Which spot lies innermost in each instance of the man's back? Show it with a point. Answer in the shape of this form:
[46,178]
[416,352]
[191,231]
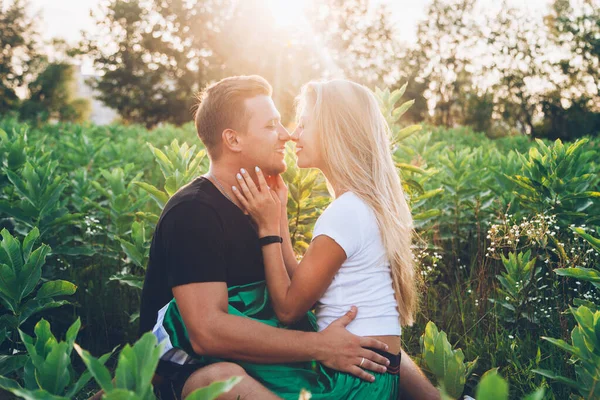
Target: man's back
[205,238]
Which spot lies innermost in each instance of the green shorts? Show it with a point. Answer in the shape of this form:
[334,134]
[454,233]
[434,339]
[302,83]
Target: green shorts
[285,380]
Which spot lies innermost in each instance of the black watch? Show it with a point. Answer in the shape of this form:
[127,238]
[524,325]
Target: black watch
[263,241]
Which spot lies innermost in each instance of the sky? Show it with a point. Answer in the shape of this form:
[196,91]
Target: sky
[66,18]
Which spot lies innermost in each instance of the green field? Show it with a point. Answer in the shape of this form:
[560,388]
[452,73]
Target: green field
[508,250]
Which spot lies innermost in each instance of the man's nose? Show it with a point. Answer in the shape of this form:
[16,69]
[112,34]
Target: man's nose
[284,135]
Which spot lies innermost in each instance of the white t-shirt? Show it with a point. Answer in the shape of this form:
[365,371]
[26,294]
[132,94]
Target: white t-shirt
[364,279]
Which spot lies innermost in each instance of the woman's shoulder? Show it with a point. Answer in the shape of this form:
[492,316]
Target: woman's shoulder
[349,207]
[351,202]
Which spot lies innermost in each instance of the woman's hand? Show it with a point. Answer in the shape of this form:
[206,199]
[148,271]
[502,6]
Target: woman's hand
[260,202]
[278,186]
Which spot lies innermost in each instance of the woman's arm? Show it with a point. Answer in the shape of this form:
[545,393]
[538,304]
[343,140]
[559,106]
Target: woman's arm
[289,256]
[291,297]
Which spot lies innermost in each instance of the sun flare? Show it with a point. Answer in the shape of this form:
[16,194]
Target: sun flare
[287,12]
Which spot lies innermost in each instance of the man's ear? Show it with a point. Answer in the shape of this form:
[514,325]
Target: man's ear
[232,140]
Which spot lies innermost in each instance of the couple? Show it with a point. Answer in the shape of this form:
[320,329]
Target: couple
[224,290]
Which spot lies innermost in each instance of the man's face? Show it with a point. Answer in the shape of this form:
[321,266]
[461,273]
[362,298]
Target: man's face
[265,138]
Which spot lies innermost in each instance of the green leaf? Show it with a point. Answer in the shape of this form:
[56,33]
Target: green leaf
[96,368]
[9,364]
[552,375]
[85,377]
[492,387]
[135,281]
[72,332]
[36,305]
[159,196]
[537,395]
[584,274]
[147,353]
[54,376]
[214,390]
[56,288]
[32,270]
[406,132]
[29,241]
[595,242]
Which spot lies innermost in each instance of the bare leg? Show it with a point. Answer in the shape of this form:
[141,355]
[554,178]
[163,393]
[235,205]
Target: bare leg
[414,385]
[247,389]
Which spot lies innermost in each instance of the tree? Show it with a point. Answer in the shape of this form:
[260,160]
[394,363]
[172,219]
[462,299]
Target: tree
[442,59]
[575,27]
[359,39]
[52,96]
[131,82]
[18,55]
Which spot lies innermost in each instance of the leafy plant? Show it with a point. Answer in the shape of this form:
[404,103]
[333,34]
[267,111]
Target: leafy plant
[581,273]
[493,387]
[517,284]
[561,178]
[48,372]
[179,164]
[585,350]
[135,370]
[445,363]
[22,291]
[37,199]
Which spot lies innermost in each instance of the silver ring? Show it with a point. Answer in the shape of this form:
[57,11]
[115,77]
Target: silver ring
[361,362]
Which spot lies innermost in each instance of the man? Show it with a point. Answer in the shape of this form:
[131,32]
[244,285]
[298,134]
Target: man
[204,247]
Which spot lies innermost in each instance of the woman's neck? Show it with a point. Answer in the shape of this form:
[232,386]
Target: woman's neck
[338,189]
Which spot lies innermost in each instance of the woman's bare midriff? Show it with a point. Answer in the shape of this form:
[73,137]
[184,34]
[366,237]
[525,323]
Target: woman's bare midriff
[392,341]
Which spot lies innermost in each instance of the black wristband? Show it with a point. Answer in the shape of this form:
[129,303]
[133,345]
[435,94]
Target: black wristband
[263,241]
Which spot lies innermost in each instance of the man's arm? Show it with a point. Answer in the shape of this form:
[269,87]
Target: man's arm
[214,332]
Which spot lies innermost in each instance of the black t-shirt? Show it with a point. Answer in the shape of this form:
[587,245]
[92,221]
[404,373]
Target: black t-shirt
[201,236]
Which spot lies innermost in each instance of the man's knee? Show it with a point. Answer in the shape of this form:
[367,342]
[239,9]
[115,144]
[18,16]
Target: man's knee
[211,373]
[224,370]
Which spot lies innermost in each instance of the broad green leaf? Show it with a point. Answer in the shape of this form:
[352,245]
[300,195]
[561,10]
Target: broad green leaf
[55,376]
[56,288]
[492,387]
[29,241]
[595,242]
[36,305]
[552,375]
[32,270]
[214,390]
[135,281]
[96,368]
[159,196]
[9,364]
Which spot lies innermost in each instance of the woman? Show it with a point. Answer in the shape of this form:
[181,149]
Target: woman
[360,252]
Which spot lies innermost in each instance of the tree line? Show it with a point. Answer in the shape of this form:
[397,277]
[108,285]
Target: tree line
[501,71]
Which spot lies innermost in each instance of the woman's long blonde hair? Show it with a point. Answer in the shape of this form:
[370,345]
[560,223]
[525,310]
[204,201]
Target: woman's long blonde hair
[355,145]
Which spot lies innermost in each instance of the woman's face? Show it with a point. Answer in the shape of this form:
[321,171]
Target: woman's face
[307,141]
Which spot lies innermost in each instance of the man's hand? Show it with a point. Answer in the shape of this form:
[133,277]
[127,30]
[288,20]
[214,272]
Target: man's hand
[344,351]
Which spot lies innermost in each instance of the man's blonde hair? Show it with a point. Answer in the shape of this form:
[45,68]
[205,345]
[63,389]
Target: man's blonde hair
[221,106]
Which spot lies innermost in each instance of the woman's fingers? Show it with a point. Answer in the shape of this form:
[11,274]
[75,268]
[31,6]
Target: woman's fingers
[245,190]
[262,182]
[240,197]
[249,182]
